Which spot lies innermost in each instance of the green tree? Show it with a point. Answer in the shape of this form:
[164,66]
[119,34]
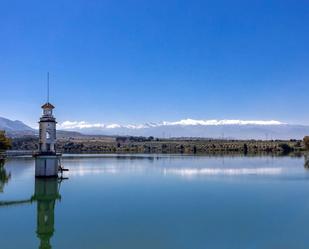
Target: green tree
[5,142]
[306,142]
[286,149]
[194,149]
[245,149]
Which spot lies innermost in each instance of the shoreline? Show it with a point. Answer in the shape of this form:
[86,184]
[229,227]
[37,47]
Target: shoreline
[140,145]
[133,155]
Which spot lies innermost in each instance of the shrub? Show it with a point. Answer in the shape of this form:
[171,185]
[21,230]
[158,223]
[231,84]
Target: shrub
[285,148]
[182,149]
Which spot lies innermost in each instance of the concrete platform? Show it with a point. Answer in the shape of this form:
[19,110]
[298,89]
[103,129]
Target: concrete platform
[47,165]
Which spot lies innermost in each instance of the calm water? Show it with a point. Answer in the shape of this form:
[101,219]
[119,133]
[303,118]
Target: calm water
[167,202]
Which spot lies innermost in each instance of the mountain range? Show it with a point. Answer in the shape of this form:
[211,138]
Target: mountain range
[17,128]
[228,129]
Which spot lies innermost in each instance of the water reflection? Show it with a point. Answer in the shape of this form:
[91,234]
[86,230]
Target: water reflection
[227,171]
[4,176]
[204,197]
[46,194]
[306,165]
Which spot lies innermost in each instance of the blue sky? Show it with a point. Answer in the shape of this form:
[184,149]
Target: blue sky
[142,61]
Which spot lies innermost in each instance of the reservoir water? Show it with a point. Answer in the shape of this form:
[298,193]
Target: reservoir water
[164,201]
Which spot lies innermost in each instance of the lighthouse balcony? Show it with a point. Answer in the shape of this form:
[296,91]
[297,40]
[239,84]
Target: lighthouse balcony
[46,118]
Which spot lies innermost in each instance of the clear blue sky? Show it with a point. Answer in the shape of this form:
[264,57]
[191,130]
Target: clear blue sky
[139,61]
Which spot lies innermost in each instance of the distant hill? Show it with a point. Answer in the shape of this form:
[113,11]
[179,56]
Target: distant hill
[68,134]
[19,129]
[9,125]
[15,128]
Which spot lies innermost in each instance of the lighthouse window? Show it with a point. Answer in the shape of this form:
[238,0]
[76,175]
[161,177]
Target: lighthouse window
[47,135]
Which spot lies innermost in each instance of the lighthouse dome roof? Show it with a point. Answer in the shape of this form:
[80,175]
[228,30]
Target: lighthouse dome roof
[48,106]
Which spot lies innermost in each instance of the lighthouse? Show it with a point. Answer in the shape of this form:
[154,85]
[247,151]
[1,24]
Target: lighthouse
[47,133]
[47,161]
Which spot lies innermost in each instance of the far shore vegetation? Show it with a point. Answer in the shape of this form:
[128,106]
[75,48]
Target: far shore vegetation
[5,142]
[130,144]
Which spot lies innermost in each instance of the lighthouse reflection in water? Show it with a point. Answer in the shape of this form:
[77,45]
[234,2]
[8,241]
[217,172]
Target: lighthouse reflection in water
[151,201]
[46,194]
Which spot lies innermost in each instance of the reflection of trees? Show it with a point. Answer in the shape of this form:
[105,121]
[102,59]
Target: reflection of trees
[4,176]
[306,165]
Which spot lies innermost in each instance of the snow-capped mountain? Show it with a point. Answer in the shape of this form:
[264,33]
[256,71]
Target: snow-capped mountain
[232,129]
[237,129]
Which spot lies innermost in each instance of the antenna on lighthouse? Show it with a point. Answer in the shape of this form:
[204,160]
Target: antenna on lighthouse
[47,87]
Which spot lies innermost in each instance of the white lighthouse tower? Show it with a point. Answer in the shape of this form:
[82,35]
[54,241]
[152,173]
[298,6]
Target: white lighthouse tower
[47,142]
[47,160]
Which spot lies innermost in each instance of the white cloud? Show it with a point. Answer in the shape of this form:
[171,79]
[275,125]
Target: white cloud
[80,125]
[67,125]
